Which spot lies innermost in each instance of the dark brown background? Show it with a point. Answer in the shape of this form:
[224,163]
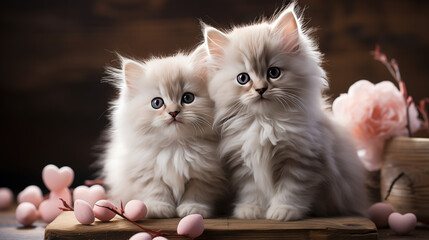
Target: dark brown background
[53,55]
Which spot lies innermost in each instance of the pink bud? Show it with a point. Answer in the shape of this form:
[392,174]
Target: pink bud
[103,214]
[141,236]
[191,226]
[135,210]
[83,212]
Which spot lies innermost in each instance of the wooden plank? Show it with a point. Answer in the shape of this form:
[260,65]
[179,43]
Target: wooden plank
[67,227]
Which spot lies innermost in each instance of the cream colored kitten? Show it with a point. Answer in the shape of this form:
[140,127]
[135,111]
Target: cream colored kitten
[286,156]
[162,147]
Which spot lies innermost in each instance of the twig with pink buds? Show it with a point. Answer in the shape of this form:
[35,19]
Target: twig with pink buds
[393,68]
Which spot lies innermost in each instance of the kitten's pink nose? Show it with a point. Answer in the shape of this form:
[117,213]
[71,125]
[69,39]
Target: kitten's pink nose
[174,114]
[261,90]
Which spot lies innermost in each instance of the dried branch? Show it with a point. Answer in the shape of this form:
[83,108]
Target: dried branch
[66,206]
[151,232]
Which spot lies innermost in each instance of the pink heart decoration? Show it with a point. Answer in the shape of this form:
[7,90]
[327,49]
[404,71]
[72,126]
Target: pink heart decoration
[57,179]
[49,209]
[402,224]
[31,194]
[89,194]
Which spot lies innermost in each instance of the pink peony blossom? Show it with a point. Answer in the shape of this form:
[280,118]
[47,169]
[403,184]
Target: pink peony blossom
[374,113]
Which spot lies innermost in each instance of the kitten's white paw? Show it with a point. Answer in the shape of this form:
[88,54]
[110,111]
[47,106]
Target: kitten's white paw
[284,213]
[160,210]
[185,209]
[248,211]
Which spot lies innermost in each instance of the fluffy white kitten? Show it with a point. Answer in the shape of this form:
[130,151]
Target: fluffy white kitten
[286,157]
[162,147]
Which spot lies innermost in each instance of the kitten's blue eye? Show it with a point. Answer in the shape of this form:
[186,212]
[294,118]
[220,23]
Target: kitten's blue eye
[243,78]
[273,72]
[157,102]
[188,98]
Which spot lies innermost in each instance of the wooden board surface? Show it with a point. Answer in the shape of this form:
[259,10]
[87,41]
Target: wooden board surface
[67,227]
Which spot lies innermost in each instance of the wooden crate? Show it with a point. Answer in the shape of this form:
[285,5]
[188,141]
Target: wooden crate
[66,226]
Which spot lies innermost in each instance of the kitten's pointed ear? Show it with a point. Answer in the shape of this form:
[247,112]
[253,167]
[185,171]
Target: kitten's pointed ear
[215,40]
[198,56]
[131,71]
[287,25]
[198,60]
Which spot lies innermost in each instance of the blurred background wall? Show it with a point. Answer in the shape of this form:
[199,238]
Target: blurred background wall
[53,54]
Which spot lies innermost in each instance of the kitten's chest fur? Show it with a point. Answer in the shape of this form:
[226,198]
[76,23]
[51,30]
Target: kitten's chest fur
[172,165]
[178,162]
[255,145]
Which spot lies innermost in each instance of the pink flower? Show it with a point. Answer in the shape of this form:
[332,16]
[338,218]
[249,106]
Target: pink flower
[373,113]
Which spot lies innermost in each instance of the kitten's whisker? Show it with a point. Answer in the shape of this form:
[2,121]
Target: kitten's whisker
[199,127]
[298,101]
[295,102]
[194,128]
[286,108]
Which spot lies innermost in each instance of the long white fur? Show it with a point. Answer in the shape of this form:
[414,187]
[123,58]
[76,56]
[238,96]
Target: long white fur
[173,168]
[287,159]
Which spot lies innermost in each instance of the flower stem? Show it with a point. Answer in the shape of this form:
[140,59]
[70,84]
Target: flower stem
[410,134]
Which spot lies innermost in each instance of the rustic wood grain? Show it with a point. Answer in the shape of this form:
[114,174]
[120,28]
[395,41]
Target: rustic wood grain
[67,227]
[10,229]
[411,192]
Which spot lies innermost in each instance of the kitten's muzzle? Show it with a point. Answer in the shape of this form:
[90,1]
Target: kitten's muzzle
[174,114]
[261,90]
